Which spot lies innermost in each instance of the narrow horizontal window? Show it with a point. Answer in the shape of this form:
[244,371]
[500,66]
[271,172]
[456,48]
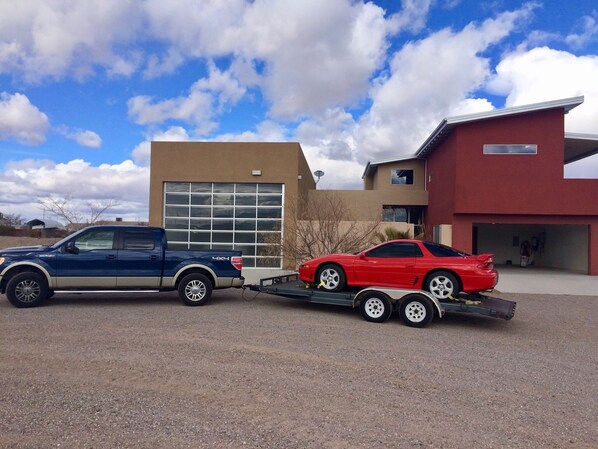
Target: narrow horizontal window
[511,149]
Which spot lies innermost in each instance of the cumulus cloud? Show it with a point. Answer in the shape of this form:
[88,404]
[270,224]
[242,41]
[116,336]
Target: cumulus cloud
[427,82]
[544,74]
[124,182]
[22,121]
[142,152]
[84,138]
[207,97]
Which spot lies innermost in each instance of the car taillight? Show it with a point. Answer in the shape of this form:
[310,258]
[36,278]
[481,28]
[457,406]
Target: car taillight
[237,262]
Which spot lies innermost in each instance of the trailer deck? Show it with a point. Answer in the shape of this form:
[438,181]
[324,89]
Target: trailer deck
[290,286]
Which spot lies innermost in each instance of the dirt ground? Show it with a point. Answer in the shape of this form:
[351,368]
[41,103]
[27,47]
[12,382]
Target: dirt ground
[144,371]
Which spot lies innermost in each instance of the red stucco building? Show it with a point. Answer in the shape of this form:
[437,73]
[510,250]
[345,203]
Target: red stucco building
[497,180]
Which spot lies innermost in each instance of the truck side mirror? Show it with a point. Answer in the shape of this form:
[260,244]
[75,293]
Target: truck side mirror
[71,248]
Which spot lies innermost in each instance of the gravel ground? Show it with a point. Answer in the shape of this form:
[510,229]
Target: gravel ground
[144,371]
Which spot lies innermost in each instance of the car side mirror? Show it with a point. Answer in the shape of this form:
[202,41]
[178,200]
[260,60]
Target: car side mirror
[71,248]
[362,255]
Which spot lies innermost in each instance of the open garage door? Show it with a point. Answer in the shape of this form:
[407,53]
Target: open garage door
[552,246]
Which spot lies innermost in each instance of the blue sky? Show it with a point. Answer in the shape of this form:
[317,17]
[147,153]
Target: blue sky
[85,86]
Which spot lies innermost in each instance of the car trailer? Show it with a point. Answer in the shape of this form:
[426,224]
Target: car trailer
[417,308]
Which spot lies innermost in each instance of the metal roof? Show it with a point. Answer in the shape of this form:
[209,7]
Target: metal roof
[447,125]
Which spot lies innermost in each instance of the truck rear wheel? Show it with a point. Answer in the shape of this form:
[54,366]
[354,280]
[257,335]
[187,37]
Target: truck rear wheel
[195,289]
[27,289]
[416,311]
[375,307]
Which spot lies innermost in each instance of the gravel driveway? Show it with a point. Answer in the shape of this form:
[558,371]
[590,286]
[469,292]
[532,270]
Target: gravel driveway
[144,371]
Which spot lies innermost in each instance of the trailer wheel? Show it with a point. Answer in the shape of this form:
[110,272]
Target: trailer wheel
[416,311]
[195,289]
[26,289]
[331,277]
[375,307]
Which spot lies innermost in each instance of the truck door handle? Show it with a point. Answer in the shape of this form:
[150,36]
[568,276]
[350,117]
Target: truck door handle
[110,257]
[154,257]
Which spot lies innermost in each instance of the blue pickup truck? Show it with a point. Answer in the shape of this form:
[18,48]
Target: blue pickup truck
[115,258]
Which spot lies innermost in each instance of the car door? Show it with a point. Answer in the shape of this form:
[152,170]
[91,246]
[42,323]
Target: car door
[87,261]
[389,265]
[139,257]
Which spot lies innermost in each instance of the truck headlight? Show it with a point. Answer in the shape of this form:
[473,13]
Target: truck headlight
[2,260]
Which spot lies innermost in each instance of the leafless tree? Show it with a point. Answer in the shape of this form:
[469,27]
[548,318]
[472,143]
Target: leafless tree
[324,225]
[65,208]
[10,220]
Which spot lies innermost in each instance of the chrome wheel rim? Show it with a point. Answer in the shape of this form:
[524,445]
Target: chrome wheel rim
[195,290]
[27,291]
[330,278]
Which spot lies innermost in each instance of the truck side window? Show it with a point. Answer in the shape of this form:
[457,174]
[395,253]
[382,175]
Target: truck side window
[135,240]
[95,240]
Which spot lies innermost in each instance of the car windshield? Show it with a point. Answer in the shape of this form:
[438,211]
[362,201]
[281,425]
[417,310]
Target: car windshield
[439,250]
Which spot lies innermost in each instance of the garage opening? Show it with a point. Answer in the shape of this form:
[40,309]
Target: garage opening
[546,245]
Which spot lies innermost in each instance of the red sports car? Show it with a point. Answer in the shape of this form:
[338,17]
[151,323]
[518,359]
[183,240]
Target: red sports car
[411,264]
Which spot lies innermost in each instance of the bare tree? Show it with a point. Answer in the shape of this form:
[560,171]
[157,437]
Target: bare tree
[10,220]
[325,226]
[65,208]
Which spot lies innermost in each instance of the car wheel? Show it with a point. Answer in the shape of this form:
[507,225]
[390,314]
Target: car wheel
[27,289]
[416,311]
[443,285]
[332,278]
[195,289]
[375,307]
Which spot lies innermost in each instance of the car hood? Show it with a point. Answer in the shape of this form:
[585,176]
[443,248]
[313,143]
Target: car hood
[20,250]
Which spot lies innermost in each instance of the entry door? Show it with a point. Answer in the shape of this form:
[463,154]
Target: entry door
[90,264]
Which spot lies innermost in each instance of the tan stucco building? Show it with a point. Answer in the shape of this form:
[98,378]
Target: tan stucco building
[230,194]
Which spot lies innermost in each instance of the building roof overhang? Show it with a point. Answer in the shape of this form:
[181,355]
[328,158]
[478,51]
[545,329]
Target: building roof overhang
[371,167]
[580,146]
[447,125]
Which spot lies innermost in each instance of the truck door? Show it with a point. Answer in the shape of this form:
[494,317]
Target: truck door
[389,265]
[88,261]
[139,257]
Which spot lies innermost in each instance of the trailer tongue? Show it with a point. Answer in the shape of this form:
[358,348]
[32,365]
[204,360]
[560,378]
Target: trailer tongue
[417,308]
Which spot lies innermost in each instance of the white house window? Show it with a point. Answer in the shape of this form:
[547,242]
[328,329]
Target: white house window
[511,149]
[241,216]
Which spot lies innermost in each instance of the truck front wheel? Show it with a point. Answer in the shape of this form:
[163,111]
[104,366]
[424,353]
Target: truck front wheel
[27,289]
[195,289]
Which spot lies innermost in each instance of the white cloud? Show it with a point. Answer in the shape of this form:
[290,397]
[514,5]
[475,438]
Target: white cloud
[22,121]
[544,74]
[82,137]
[588,32]
[124,182]
[142,152]
[207,97]
[427,82]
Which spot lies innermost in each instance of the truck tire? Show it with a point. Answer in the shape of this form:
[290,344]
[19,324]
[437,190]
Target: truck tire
[375,307]
[195,289]
[416,311]
[331,277]
[27,289]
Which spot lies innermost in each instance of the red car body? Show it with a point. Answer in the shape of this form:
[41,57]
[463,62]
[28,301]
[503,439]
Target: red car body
[410,264]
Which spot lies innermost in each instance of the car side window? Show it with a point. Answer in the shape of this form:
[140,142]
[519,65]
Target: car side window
[95,240]
[135,240]
[396,250]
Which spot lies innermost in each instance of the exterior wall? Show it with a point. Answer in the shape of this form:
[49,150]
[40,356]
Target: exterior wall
[227,162]
[381,180]
[465,186]
[366,205]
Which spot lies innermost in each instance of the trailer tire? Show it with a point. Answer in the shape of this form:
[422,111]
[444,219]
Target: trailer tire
[27,289]
[375,307]
[195,289]
[332,277]
[416,311]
